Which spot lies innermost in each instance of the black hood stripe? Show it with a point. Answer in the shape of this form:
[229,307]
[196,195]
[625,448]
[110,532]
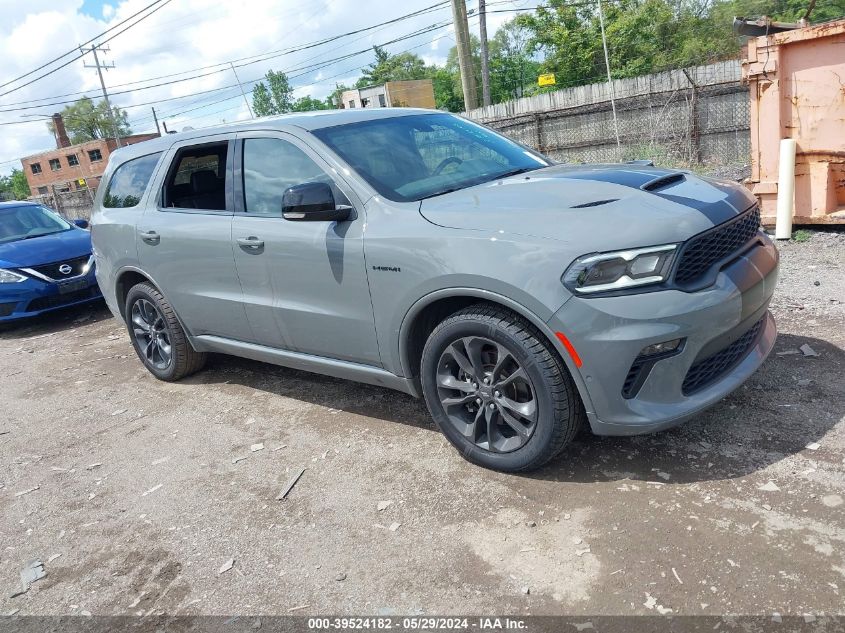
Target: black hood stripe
[734,203]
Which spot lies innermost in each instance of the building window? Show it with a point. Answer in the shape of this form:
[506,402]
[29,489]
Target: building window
[36,168]
[42,191]
[351,104]
[94,155]
[381,101]
[55,164]
[72,160]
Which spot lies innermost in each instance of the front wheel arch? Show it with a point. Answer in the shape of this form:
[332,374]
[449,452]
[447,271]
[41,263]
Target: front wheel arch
[430,310]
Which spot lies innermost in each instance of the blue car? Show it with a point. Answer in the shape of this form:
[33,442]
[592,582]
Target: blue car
[45,261]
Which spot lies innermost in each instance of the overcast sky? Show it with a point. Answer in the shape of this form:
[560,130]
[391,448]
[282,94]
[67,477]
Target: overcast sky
[187,35]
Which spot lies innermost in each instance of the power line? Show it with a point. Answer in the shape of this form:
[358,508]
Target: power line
[73,50]
[105,41]
[167,83]
[221,66]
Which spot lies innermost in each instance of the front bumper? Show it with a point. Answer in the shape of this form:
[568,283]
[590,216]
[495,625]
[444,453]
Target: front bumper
[609,334]
[35,296]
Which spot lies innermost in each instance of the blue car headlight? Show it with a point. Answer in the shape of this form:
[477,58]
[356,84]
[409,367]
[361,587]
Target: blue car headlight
[619,270]
[10,277]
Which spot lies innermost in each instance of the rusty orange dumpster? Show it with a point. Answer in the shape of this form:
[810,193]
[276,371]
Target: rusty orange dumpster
[797,88]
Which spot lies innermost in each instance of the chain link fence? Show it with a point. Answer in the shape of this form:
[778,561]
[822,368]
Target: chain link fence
[696,117]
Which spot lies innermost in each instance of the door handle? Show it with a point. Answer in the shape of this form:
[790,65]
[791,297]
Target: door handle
[252,243]
[150,237]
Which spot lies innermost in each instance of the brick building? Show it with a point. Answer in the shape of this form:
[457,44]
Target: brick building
[415,93]
[71,167]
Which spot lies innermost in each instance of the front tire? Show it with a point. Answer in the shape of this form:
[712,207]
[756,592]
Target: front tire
[497,391]
[157,335]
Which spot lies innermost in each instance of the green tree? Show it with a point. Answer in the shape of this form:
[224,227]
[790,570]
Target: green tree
[389,67]
[334,100]
[86,121]
[14,186]
[276,97]
[646,36]
[513,72]
[307,104]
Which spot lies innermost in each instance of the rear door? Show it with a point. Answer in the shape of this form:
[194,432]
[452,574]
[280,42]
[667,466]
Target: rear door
[185,238]
[304,283]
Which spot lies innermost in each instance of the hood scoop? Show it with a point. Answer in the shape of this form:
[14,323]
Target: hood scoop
[595,203]
[663,182]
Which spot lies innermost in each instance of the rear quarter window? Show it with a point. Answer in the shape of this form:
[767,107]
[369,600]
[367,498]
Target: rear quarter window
[129,181]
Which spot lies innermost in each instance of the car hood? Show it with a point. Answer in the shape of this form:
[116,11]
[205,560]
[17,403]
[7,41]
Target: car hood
[611,206]
[45,249]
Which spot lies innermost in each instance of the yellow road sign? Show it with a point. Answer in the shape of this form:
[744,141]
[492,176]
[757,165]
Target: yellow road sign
[546,80]
[81,182]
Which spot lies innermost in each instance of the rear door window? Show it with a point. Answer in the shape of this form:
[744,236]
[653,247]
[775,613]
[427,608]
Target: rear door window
[129,181]
[197,178]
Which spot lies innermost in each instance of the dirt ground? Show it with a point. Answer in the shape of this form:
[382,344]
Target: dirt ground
[146,497]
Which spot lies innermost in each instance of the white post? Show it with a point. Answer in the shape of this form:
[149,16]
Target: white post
[786,190]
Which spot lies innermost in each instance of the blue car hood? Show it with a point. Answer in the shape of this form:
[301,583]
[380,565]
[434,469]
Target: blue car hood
[45,249]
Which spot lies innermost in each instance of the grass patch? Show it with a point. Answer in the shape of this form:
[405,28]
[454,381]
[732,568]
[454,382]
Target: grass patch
[802,235]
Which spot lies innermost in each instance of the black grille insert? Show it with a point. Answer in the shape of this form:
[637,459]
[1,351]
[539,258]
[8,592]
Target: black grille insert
[709,370]
[75,268]
[704,250]
[7,308]
[54,301]
[636,377]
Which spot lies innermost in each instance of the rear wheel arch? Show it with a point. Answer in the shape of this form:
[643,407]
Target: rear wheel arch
[125,281]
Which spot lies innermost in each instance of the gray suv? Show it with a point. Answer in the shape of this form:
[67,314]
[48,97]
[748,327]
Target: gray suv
[419,251]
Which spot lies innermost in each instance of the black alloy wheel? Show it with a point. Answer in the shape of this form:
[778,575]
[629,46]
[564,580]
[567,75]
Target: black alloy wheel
[487,395]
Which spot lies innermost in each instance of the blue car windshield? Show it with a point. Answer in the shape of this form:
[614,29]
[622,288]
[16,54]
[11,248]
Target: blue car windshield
[408,158]
[28,221]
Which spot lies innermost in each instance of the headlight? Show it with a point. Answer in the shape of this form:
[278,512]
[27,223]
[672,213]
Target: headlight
[619,270]
[10,277]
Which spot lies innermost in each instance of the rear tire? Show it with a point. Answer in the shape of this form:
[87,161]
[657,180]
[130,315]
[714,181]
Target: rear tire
[498,392]
[157,335]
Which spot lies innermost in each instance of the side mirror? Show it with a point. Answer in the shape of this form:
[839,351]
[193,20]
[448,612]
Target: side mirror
[82,224]
[312,202]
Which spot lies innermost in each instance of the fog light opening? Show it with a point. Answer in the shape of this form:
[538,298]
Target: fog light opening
[660,349]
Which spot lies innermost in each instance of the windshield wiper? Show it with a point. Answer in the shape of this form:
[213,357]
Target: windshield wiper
[514,172]
[440,192]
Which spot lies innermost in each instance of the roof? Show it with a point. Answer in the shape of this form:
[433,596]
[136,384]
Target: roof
[303,120]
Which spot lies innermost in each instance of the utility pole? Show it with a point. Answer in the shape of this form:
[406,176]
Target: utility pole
[94,48]
[609,79]
[459,16]
[246,101]
[485,57]
[155,118]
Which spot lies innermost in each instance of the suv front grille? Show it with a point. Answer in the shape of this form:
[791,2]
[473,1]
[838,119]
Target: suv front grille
[77,266]
[704,250]
[710,369]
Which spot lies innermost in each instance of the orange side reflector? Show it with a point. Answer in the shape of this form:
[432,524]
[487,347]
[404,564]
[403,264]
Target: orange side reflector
[569,348]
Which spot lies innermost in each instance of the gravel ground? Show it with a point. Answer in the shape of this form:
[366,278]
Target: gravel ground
[146,497]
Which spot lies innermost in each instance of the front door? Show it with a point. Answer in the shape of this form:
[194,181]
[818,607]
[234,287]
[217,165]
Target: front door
[304,283]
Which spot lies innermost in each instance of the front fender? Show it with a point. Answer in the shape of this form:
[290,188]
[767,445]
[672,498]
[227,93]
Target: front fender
[402,355]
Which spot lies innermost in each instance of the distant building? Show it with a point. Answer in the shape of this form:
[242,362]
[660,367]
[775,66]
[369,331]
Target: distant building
[417,93]
[71,167]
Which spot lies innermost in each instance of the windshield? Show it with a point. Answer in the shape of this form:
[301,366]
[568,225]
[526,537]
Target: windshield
[408,158]
[21,223]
